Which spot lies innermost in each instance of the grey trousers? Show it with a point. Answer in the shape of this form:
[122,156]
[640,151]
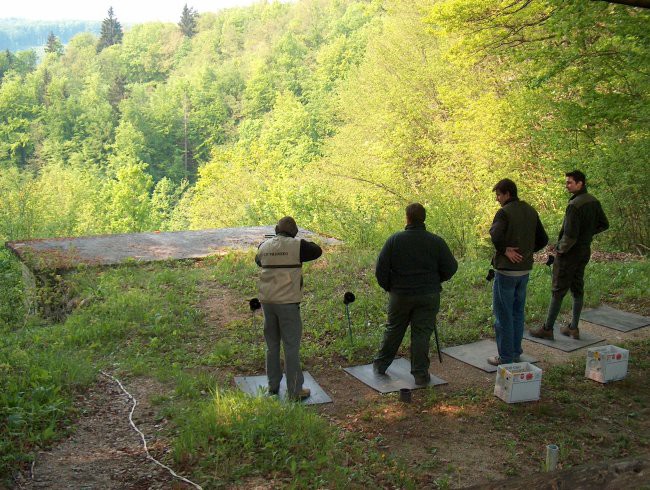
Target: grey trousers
[282,323]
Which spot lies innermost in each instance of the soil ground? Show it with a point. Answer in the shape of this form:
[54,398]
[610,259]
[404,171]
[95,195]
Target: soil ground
[105,452]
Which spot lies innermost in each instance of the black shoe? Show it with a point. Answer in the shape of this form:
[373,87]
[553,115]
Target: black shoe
[378,370]
[422,379]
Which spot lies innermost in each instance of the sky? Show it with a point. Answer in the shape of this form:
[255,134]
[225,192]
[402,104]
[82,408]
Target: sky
[126,11]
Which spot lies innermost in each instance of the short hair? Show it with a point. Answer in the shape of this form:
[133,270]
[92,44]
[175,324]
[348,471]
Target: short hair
[287,225]
[577,176]
[416,213]
[505,185]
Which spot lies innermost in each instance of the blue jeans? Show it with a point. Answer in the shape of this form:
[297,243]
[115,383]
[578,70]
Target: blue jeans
[508,303]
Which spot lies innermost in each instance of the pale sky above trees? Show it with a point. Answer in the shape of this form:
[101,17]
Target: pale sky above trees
[126,11]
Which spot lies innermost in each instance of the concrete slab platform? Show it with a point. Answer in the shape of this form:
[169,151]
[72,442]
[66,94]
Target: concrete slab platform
[564,343]
[397,376]
[476,354]
[257,385]
[68,253]
[609,317]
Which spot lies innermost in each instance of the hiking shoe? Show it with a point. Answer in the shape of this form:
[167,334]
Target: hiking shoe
[574,333]
[422,379]
[494,360]
[301,395]
[542,333]
[378,370]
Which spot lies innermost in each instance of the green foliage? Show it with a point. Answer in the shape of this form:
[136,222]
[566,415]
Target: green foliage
[188,22]
[111,32]
[339,112]
[53,45]
[12,309]
[234,435]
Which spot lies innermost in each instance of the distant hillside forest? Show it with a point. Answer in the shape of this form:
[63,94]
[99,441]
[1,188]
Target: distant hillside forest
[21,34]
[338,112]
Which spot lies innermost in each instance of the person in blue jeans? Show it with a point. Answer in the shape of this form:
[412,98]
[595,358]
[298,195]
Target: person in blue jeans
[516,233]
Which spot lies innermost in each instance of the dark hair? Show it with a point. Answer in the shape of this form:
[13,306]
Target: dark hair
[577,176]
[505,185]
[416,213]
[287,225]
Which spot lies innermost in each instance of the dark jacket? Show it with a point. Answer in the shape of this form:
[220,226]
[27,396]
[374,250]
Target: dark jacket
[414,262]
[584,218]
[517,225]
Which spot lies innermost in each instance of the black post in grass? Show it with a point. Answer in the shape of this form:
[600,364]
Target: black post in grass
[254,304]
[435,333]
[348,298]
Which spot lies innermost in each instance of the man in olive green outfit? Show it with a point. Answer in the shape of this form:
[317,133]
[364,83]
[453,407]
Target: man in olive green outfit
[411,266]
[584,217]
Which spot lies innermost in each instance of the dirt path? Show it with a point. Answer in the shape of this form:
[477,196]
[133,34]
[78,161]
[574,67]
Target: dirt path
[104,452]
[450,440]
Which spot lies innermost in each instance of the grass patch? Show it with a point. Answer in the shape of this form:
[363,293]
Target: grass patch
[234,437]
[145,320]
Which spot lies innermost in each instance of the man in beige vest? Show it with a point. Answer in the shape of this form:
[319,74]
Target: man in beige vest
[280,292]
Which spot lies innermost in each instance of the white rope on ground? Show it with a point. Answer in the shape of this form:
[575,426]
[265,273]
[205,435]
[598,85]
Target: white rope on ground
[144,441]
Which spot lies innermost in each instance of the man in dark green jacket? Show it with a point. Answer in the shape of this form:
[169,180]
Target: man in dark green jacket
[584,217]
[516,233]
[411,266]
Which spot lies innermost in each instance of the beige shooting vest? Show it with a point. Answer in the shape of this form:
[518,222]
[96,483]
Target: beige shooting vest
[281,278]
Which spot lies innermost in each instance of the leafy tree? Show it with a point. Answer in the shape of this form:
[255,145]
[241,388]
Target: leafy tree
[188,22]
[53,45]
[111,32]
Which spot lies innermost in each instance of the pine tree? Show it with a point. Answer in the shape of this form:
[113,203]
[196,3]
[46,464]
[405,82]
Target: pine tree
[188,21]
[111,32]
[53,45]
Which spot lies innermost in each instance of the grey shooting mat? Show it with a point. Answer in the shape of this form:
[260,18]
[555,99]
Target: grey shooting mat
[564,343]
[398,376]
[257,386]
[615,319]
[476,354]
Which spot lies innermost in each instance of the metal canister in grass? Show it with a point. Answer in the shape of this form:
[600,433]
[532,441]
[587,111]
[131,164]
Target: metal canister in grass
[405,395]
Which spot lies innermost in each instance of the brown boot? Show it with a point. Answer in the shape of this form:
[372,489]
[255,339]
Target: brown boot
[542,333]
[574,333]
[301,395]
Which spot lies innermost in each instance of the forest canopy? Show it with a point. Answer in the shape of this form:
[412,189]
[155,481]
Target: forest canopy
[338,112]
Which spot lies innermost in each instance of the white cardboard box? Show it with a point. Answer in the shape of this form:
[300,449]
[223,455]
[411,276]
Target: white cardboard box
[518,382]
[606,363]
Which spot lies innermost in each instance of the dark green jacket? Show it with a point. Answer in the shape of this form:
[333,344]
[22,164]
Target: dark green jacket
[584,218]
[517,225]
[414,262]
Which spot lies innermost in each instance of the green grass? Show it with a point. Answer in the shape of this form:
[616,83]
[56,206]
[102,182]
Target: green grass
[234,436]
[145,320]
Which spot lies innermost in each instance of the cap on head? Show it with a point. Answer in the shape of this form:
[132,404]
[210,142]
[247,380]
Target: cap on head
[287,225]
